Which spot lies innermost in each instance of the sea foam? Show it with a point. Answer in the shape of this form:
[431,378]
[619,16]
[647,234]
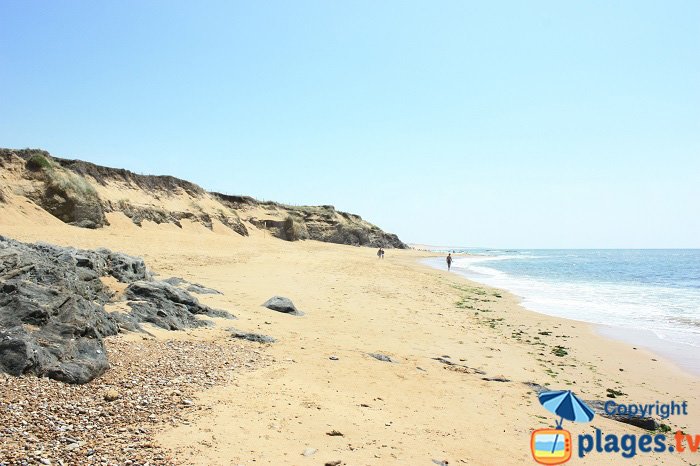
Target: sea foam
[655,290]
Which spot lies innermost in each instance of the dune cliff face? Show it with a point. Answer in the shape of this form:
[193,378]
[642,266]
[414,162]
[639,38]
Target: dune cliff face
[82,194]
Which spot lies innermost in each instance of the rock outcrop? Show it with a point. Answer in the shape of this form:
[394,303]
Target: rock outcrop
[166,306]
[52,308]
[320,223]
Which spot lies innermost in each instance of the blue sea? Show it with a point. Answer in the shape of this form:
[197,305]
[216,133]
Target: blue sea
[653,290]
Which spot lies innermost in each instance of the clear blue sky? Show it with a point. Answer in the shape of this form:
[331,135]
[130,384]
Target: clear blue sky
[498,124]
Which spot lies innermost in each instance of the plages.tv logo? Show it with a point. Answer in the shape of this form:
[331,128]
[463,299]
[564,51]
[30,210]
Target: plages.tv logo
[553,446]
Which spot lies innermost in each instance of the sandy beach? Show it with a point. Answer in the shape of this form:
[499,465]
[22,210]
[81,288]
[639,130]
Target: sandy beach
[225,228]
[462,354]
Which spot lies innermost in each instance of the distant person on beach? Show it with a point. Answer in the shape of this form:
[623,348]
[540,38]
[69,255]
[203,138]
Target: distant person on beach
[382,251]
[449,261]
[379,253]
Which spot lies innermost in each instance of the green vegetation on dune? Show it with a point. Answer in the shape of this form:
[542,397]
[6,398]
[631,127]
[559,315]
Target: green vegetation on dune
[294,229]
[38,162]
[65,194]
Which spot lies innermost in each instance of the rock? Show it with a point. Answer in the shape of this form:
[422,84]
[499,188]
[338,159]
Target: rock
[282,304]
[127,269]
[537,388]
[256,337]
[647,423]
[333,358]
[174,281]
[335,433]
[309,452]
[381,357]
[52,315]
[321,223]
[192,287]
[111,395]
[168,307]
[458,367]
[199,289]
[499,378]
[333,463]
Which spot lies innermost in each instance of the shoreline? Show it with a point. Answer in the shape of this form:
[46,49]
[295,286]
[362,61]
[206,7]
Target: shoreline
[681,355]
[674,353]
[322,378]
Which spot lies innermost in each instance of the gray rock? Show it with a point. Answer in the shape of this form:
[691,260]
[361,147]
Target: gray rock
[282,304]
[175,281]
[381,357]
[256,337]
[166,306]
[647,423]
[127,269]
[464,368]
[199,289]
[192,287]
[52,315]
[535,387]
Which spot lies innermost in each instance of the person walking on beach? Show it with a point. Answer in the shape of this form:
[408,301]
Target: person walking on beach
[381,250]
[379,253]
[449,261]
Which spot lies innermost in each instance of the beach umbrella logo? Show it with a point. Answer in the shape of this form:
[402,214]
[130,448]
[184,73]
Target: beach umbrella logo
[553,446]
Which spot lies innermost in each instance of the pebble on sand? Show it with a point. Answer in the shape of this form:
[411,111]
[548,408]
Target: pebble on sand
[111,395]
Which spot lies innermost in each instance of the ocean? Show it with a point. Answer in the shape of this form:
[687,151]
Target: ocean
[655,291]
